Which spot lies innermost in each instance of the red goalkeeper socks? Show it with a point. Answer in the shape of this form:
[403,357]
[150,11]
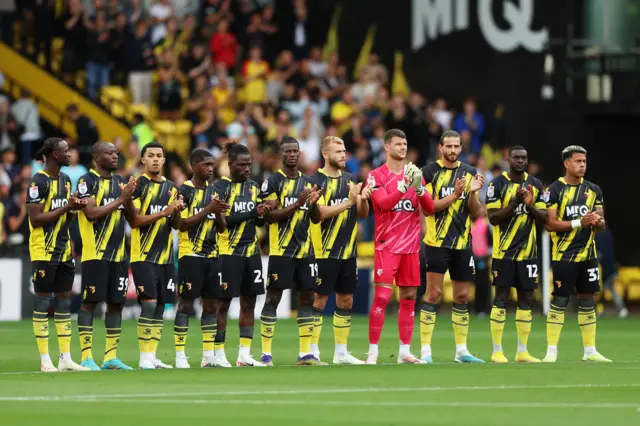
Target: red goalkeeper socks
[376,316]
[406,320]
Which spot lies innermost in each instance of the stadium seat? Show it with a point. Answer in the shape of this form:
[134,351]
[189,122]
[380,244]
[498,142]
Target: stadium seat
[142,109]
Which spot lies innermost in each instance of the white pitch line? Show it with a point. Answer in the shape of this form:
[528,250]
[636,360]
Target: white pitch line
[309,391]
[597,405]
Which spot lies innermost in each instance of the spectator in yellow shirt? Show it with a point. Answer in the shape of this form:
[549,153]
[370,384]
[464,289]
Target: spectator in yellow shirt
[224,96]
[255,72]
[342,110]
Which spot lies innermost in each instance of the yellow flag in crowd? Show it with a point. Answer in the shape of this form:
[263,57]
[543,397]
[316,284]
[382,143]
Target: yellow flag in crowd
[331,45]
[363,57]
[399,83]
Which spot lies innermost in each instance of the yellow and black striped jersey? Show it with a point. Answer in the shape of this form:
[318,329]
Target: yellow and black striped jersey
[50,243]
[290,237]
[153,243]
[572,202]
[200,240]
[449,228]
[335,238]
[515,238]
[240,238]
[104,238]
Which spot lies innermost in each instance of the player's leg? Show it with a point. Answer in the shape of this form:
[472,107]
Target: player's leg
[527,282]
[408,281]
[209,328]
[64,276]
[462,274]
[564,279]
[328,271]
[252,287]
[147,290]
[524,318]
[438,261]
[587,286]
[385,270]
[43,279]
[117,282]
[94,288]
[222,313]
[346,286]
[191,273]
[166,295]
[279,278]
[231,268]
[609,283]
[305,279]
[116,296]
[504,276]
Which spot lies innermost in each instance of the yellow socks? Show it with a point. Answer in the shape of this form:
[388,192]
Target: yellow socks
[208,326]
[145,332]
[41,331]
[317,329]
[498,318]
[460,322]
[113,325]
[427,324]
[218,344]
[267,327]
[180,330]
[587,322]
[341,329]
[523,327]
[305,329]
[85,330]
[555,322]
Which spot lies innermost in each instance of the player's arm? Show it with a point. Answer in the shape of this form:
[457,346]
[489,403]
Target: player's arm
[94,212]
[35,205]
[496,213]
[424,197]
[324,212]
[363,203]
[277,215]
[555,225]
[476,208]
[537,208]
[599,223]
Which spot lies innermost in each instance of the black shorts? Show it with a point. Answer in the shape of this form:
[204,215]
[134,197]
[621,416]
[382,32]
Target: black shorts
[459,263]
[575,277]
[104,281]
[288,273]
[337,275]
[49,277]
[198,277]
[241,276]
[154,281]
[522,275]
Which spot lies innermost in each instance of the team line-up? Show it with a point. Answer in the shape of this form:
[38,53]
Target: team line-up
[312,222]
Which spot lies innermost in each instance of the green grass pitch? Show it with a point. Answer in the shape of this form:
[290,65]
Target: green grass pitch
[569,392]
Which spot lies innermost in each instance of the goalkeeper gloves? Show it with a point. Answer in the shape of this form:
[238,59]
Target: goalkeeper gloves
[416,180]
[407,178]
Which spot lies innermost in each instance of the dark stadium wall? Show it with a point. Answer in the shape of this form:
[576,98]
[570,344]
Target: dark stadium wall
[494,55]
[457,58]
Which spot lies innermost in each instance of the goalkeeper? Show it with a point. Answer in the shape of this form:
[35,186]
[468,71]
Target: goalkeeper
[397,195]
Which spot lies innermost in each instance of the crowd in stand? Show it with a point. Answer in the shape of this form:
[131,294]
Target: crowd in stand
[250,76]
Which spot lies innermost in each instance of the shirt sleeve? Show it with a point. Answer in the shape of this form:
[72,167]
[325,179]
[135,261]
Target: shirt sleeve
[599,197]
[539,196]
[187,196]
[494,194]
[38,189]
[427,175]
[551,196]
[87,187]
[137,194]
[269,189]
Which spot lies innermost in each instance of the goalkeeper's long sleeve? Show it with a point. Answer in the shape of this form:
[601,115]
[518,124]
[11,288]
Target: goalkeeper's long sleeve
[385,201]
[425,200]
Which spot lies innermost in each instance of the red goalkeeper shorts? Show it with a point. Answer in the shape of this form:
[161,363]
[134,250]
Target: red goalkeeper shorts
[401,269]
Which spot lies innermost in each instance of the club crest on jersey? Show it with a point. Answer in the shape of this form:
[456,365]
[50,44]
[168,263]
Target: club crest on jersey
[491,191]
[379,272]
[265,185]
[371,181]
[82,187]
[34,192]
[546,196]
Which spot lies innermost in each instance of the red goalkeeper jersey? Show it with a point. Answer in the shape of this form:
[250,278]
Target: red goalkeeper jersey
[396,214]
